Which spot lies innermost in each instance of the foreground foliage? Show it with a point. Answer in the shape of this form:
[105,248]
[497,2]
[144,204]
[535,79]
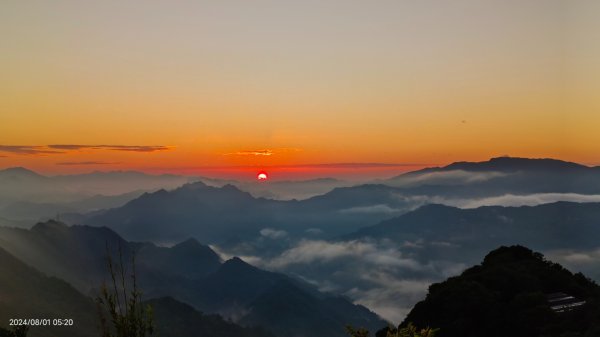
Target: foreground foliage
[506,296]
[128,316]
[408,331]
[19,331]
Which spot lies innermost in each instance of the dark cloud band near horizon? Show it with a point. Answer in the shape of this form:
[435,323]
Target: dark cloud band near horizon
[78,163]
[64,148]
[28,149]
[132,148]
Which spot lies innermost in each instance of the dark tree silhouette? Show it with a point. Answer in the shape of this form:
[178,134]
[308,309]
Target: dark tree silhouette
[19,331]
[120,308]
[408,331]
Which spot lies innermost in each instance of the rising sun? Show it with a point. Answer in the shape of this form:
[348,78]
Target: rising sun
[262,176]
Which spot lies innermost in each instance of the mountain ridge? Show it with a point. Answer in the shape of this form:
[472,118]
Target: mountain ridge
[188,271]
[508,164]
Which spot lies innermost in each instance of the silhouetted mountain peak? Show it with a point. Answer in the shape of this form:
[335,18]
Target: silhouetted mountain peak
[189,243]
[435,208]
[230,187]
[236,262]
[18,169]
[505,165]
[149,196]
[50,225]
[18,172]
[194,186]
[237,266]
[192,247]
[200,188]
[511,164]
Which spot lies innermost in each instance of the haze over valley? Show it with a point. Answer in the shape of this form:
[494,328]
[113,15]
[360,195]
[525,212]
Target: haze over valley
[386,240]
[282,168]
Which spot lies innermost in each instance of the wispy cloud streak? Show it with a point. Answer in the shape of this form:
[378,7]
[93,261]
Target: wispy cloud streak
[263,152]
[28,149]
[132,148]
[64,148]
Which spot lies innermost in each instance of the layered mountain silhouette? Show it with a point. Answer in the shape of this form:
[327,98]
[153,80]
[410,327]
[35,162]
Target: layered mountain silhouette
[513,292]
[189,278]
[510,165]
[502,175]
[177,319]
[189,272]
[26,196]
[219,214]
[27,293]
[461,234]
[21,182]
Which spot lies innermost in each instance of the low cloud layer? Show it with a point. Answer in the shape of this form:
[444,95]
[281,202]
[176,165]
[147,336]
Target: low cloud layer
[317,251]
[385,276]
[576,258]
[371,209]
[586,261]
[273,233]
[511,200]
[392,298]
[411,202]
[455,177]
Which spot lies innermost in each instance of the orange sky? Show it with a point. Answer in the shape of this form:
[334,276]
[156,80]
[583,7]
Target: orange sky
[285,83]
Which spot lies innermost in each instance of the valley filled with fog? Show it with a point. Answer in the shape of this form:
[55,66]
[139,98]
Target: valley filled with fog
[379,243]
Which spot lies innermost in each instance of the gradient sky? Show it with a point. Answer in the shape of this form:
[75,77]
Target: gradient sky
[195,87]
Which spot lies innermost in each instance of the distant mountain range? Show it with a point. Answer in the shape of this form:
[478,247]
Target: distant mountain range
[502,175]
[380,239]
[511,294]
[511,165]
[27,197]
[189,272]
[552,225]
[19,182]
[461,234]
[217,214]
